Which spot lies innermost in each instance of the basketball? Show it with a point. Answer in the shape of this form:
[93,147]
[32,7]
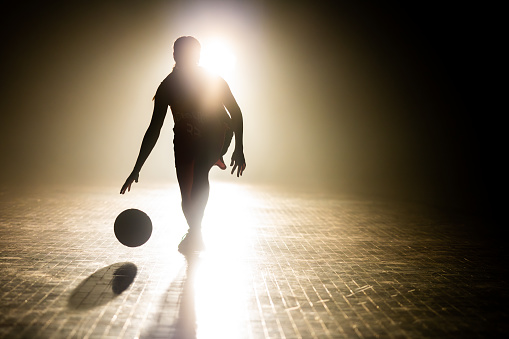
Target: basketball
[133,227]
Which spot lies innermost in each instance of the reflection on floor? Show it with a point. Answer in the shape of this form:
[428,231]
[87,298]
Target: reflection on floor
[277,265]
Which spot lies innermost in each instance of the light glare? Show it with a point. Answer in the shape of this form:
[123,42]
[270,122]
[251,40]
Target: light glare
[222,285]
[218,58]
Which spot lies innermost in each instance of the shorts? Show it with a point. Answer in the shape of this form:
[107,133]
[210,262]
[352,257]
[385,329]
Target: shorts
[198,142]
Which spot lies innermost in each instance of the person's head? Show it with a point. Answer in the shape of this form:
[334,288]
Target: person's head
[186,51]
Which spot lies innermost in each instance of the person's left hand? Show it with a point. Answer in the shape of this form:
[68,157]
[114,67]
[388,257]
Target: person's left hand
[133,177]
[238,162]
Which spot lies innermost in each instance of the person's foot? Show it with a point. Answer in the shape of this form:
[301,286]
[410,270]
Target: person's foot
[220,163]
[191,243]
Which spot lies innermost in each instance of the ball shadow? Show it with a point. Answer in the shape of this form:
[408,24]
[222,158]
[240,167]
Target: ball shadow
[102,286]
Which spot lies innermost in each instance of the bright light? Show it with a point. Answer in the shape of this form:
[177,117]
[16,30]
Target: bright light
[218,58]
[222,286]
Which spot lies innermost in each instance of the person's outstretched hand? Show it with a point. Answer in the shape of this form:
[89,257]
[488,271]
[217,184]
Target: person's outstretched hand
[133,177]
[238,162]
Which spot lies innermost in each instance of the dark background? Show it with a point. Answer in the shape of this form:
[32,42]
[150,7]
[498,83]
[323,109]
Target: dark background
[388,100]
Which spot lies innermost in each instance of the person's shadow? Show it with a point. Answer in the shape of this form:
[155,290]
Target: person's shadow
[185,324]
[177,315]
[102,286]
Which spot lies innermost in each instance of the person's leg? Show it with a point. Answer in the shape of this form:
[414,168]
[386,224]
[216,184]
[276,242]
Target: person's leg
[185,173]
[193,176]
[194,188]
[199,195]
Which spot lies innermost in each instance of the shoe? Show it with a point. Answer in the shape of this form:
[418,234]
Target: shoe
[191,243]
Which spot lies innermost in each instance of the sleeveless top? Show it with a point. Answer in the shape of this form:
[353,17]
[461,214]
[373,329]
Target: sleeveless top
[196,101]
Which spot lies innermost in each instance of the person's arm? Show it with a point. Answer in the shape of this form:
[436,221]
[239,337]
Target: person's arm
[237,161]
[149,141]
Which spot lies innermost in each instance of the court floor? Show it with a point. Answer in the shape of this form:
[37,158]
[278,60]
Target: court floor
[278,264]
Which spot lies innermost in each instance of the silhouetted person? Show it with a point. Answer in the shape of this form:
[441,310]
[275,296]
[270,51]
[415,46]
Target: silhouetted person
[202,133]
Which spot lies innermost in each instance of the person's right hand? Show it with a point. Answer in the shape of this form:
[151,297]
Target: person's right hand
[238,162]
[133,177]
